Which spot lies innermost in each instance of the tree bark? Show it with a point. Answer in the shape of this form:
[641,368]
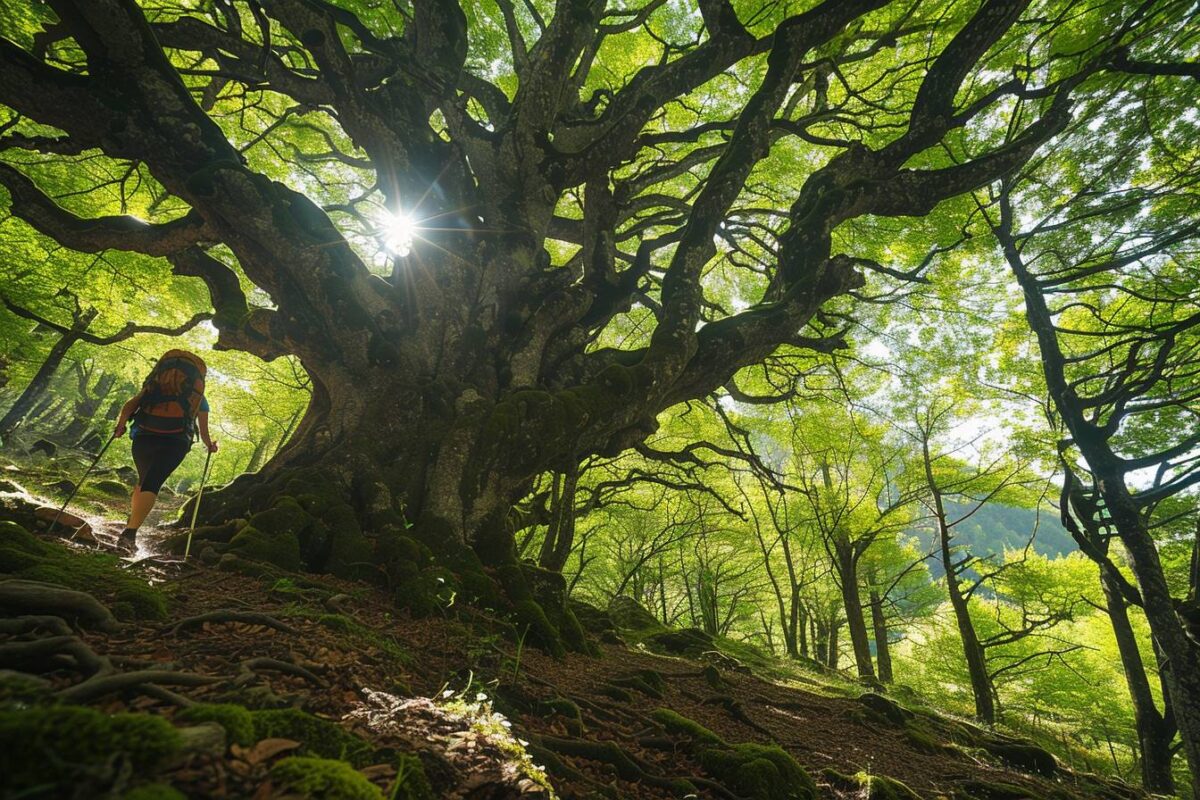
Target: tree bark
[847,571]
[973,652]
[36,389]
[883,652]
[1154,732]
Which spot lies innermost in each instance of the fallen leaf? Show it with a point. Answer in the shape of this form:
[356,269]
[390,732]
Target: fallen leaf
[269,748]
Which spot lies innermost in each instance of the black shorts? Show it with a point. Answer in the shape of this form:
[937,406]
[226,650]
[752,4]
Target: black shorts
[156,458]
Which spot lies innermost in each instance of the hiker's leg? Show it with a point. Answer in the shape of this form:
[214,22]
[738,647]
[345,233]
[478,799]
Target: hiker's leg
[156,458]
[143,502]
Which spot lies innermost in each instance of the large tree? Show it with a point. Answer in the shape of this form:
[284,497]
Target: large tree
[616,209]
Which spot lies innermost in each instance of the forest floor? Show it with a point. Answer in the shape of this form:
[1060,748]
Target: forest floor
[477,708]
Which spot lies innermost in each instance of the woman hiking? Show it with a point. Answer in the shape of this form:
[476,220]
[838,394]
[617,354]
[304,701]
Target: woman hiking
[167,414]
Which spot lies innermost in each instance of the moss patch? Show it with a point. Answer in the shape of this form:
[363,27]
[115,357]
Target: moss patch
[281,549]
[323,779]
[66,746]
[23,555]
[319,737]
[762,772]
[235,719]
[881,787]
[679,725]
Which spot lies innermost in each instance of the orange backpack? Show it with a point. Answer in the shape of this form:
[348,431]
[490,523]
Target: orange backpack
[172,394]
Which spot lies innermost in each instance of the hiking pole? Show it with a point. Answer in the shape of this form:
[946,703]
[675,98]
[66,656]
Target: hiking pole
[196,508]
[79,485]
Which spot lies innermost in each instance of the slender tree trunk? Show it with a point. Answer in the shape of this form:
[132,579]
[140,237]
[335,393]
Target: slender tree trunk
[883,653]
[820,637]
[834,626]
[981,682]
[555,556]
[793,628]
[802,628]
[852,599]
[1153,731]
[36,389]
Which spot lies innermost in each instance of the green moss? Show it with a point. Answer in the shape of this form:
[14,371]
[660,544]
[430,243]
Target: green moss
[19,690]
[23,555]
[678,725]
[60,745]
[153,791]
[839,780]
[573,718]
[319,737]
[530,616]
[281,549]
[323,779]
[411,783]
[339,623]
[881,787]
[646,681]
[884,710]
[235,719]
[922,739]
[615,692]
[761,772]
[351,555]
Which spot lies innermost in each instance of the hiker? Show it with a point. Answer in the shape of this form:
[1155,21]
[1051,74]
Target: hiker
[166,416]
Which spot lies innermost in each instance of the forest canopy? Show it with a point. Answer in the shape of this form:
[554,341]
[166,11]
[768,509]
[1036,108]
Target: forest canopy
[864,331]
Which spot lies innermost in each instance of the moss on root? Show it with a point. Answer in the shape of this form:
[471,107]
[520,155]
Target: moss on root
[66,746]
[318,737]
[881,787]
[23,555]
[761,772]
[282,549]
[678,725]
[323,779]
[236,720]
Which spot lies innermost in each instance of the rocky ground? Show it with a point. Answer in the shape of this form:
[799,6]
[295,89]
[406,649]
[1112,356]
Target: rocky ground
[146,677]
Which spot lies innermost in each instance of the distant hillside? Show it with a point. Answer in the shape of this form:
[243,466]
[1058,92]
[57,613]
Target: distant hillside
[995,527]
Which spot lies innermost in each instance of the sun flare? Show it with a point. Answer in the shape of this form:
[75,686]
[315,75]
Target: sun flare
[400,230]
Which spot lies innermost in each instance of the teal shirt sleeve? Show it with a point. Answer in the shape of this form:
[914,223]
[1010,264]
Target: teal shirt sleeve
[204,405]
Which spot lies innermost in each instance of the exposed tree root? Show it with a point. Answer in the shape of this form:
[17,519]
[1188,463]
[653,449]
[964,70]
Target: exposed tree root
[229,615]
[101,685]
[35,623]
[43,655]
[167,696]
[50,599]
[628,767]
[253,665]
